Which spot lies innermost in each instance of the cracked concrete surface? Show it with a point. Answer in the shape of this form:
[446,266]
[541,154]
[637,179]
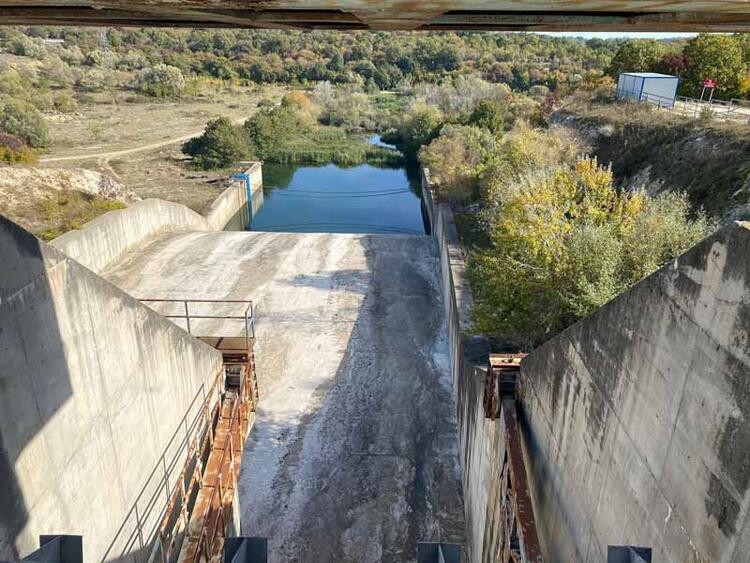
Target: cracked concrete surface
[354,454]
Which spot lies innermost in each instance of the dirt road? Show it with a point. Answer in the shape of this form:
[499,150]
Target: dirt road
[119,153]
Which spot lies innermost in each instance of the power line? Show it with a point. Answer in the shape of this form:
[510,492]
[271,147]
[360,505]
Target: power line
[370,226]
[334,195]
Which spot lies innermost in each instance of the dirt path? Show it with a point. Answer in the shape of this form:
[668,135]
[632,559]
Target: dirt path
[114,154]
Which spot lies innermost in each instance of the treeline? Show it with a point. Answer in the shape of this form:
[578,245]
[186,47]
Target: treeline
[381,60]
[723,58]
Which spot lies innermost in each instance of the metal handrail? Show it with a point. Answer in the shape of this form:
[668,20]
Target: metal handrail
[137,532]
[248,314]
[721,108]
[205,536]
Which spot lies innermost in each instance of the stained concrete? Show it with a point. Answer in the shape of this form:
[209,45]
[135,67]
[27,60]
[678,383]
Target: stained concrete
[92,387]
[638,417]
[354,453]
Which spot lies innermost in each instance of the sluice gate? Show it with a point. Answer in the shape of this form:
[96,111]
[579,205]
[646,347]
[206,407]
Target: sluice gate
[519,541]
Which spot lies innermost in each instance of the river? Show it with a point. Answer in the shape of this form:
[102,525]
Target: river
[334,199]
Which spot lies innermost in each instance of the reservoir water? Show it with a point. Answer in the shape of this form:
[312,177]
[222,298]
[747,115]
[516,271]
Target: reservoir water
[334,199]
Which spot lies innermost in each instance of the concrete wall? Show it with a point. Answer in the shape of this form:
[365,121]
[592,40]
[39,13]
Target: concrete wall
[229,210]
[481,441]
[637,418]
[92,387]
[106,239]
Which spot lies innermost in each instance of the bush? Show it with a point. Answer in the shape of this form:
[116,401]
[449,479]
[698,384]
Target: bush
[351,110]
[564,241]
[221,145]
[161,81]
[65,102]
[14,151]
[455,160]
[95,80]
[28,47]
[23,120]
[58,72]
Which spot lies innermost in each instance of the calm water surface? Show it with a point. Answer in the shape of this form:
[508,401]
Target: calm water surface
[332,199]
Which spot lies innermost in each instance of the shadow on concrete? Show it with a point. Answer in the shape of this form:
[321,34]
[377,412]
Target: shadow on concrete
[370,466]
[34,377]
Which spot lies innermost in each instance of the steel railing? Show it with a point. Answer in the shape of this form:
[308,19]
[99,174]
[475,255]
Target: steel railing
[140,527]
[247,314]
[734,109]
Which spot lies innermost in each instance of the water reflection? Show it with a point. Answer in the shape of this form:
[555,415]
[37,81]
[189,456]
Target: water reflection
[336,199]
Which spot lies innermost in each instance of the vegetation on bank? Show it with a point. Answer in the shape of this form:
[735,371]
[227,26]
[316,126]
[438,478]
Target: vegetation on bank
[707,159]
[549,236]
[65,210]
[289,133]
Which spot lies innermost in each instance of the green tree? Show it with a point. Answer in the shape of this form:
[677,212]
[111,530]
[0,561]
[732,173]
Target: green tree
[422,124]
[221,145]
[637,55]
[490,115]
[744,41]
[716,57]
[161,81]
[23,120]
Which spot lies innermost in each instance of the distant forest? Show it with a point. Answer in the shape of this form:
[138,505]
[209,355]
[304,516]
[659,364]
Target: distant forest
[382,60]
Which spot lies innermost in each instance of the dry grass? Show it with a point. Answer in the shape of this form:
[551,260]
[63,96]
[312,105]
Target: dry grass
[160,172]
[50,212]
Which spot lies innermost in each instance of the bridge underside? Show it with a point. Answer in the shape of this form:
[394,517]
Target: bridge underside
[519,15]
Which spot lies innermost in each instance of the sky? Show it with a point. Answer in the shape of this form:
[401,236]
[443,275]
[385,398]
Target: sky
[611,35]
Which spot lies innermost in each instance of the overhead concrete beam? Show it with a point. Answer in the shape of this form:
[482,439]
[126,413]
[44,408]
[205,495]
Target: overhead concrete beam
[524,15]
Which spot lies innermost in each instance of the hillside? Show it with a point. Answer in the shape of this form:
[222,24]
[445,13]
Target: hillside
[651,149]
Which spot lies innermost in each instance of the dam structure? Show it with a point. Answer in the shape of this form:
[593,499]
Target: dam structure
[172,391]
[176,389]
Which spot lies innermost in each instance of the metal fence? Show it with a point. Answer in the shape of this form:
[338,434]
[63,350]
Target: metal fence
[734,109]
[135,540]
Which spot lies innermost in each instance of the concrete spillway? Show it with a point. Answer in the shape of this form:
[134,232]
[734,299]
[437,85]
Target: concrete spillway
[354,454]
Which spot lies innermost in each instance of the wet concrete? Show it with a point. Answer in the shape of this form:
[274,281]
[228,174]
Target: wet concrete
[354,454]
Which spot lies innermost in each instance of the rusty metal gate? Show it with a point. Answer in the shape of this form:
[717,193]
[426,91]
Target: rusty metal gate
[519,542]
[187,506]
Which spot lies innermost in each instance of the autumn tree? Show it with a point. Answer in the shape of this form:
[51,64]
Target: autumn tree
[716,57]
[638,55]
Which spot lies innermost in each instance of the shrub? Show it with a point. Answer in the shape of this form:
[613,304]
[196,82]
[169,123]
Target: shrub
[564,241]
[221,145]
[455,160]
[23,120]
[161,81]
[94,80]
[58,72]
[14,151]
[65,102]
[28,47]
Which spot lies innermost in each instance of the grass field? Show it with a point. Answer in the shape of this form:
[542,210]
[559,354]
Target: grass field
[156,130]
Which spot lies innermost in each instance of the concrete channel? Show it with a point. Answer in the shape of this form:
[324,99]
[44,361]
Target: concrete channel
[354,452]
